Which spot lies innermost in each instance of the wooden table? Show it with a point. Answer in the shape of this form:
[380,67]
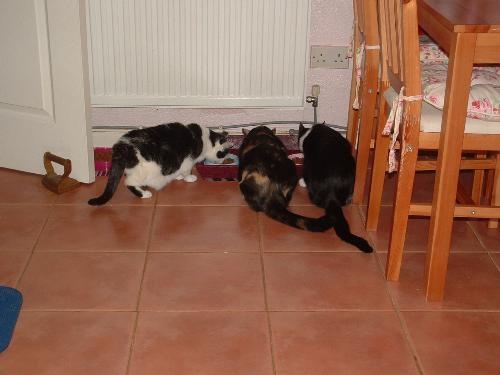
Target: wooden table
[469,30]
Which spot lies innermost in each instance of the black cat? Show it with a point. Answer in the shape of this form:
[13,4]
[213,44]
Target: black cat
[267,179]
[329,170]
[152,157]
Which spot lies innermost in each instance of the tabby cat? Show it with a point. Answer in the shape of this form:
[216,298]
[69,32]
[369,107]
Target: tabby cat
[154,156]
[267,179]
[328,172]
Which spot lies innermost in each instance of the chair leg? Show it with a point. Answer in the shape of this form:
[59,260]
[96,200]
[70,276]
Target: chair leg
[369,99]
[495,194]
[402,198]
[478,182]
[352,129]
[378,172]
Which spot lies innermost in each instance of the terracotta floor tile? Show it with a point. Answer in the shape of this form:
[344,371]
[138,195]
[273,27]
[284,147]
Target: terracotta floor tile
[496,259]
[278,237]
[208,343]
[205,229]
[78,281]
[202,281]
[300,197]
[62,343]
[86,228]
[422,190]
[319,281]
[463,238]
[87,191]
[201,193]
[472,282]
[490,238]
[20,187]
[456,342]
[20,226]
[347,342]
[12,264]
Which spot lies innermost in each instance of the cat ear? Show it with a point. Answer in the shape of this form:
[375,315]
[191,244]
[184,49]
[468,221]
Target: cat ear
[245,131]
[274,131]
[301,127]
[224,134]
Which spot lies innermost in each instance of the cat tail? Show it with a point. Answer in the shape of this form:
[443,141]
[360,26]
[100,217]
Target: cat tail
[341,227]
[278,212]
[116,173]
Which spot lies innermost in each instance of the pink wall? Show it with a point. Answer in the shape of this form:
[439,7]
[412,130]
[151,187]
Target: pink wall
[331,24]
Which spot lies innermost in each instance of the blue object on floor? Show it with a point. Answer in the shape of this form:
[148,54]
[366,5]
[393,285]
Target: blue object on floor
[10,305]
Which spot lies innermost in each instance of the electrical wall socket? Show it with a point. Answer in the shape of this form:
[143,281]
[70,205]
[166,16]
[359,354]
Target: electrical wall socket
[333,57]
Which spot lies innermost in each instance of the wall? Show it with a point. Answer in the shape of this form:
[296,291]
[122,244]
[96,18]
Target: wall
[331,24]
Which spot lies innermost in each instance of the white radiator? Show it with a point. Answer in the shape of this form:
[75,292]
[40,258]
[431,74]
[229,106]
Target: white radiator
[197,53]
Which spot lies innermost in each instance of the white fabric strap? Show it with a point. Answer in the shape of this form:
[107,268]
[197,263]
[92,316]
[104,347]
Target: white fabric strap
[360,54]
[393,122]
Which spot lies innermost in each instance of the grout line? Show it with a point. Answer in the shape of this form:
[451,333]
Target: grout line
[497,266]
[402,323]
[141,282]
[21,275]
[478,237]
[6,204]
[291,311]
[266,303]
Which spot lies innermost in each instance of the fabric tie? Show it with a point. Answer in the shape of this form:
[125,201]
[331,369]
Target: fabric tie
[393,122]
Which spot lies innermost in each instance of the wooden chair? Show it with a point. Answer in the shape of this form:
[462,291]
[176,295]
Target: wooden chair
[360,124]
[419,130]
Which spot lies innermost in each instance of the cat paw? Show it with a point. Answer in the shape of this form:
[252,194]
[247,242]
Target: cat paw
[302,183]
[179,177]
[190,178]
[146,194]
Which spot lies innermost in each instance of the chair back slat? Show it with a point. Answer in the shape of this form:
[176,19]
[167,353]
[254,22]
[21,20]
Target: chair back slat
[399,37]
[400,45]
[392,60]
[365,19]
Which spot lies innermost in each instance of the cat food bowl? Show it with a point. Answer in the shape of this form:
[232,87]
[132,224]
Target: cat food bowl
[227,170]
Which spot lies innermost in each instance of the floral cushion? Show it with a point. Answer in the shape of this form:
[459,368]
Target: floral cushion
[430,53]
[484,97]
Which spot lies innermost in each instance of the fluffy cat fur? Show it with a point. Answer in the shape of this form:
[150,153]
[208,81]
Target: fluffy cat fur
[329,170]
[267,179]
[152,157]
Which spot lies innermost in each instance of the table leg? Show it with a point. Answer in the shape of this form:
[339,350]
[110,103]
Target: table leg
[450,149]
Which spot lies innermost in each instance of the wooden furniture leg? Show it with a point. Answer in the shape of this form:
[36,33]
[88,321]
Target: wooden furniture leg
[495,193]
[402,198]
[369,95]
[450,149]
[478,182]
[378,171]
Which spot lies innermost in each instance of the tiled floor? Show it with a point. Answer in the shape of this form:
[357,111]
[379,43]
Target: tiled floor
[193,282]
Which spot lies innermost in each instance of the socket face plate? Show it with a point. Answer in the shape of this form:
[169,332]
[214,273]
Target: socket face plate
[332,57]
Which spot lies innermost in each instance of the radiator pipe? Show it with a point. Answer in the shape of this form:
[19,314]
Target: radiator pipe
[341,129]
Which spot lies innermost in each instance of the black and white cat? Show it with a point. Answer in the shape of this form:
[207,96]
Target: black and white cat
[267,179]
[152,157]
[328,172]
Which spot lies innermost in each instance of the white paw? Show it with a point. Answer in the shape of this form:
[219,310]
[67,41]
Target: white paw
[190,178]
[146,194]
[302,183]
[179,177]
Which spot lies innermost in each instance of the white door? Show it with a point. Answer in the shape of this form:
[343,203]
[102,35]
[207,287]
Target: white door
[44,89]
